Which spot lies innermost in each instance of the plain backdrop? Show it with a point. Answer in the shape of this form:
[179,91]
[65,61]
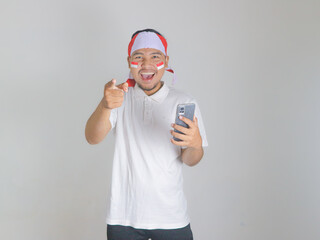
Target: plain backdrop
[253,66]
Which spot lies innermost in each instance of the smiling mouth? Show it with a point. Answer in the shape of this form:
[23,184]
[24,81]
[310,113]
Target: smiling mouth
[147,76]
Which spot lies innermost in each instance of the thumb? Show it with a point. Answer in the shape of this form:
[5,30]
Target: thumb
[111,84]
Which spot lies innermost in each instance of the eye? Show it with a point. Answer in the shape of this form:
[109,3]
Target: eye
[155,56]
[137,57]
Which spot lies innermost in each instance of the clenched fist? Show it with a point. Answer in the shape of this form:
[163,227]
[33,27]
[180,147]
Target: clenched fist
[113,95]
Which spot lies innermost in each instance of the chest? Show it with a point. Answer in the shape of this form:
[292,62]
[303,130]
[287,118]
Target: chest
[146,112]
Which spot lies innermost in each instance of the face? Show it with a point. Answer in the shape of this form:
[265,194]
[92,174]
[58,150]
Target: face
[146,73]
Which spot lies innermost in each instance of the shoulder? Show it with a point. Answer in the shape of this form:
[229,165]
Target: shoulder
[180,95]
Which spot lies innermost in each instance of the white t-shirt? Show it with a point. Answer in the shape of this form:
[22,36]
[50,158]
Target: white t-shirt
[147,182]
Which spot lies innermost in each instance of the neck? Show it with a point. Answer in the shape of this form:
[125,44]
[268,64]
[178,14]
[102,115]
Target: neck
[154,90]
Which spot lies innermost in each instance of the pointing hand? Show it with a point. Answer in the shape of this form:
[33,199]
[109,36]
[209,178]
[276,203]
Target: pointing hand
[113,94]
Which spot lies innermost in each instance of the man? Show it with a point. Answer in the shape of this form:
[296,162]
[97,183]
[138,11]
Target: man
[147,199]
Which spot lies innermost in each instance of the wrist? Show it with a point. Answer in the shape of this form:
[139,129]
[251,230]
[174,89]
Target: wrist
[102,106]
[198,144]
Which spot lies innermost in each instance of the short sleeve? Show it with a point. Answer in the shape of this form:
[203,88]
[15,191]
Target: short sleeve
[200,125]
[113,117]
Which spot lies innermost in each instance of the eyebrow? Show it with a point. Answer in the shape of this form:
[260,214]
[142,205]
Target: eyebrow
[137,53]
[140,53]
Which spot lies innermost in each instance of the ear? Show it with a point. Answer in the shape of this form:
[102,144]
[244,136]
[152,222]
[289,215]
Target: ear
[128,59]
[167,62]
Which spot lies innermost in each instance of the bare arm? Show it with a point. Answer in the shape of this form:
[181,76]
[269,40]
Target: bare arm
[98,125]
[191,156]
[191,138]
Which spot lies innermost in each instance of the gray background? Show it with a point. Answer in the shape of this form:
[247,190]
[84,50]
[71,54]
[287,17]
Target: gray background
[253,66]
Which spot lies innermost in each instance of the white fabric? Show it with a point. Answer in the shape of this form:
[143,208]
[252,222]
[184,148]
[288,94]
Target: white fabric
[147,182]
[148,40]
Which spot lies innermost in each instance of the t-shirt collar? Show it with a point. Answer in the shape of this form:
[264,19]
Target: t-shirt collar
[159,96]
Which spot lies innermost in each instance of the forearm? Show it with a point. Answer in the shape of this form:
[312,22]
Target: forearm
[191,156]
[98,125]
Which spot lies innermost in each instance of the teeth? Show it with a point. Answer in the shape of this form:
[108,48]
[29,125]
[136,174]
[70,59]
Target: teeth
[147,73]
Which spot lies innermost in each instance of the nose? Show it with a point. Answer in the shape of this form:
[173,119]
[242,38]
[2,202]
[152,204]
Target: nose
[146,62]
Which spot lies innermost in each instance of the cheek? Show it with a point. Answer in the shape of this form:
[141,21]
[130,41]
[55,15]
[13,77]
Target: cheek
[135,64]
[135,71]
[160,73]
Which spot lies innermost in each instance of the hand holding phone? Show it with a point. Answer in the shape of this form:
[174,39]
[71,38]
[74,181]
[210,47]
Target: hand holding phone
[185,110]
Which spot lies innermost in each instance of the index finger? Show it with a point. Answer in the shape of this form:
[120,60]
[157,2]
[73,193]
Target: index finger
[123,86]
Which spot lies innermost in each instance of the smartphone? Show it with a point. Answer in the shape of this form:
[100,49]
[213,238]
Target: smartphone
[185,110]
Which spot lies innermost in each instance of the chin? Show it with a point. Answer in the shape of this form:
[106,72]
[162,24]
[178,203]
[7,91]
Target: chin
[147,87]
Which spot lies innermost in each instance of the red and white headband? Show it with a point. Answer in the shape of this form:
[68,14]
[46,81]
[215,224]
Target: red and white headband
[148,40]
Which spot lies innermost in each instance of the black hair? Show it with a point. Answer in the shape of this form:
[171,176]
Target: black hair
[146,30]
